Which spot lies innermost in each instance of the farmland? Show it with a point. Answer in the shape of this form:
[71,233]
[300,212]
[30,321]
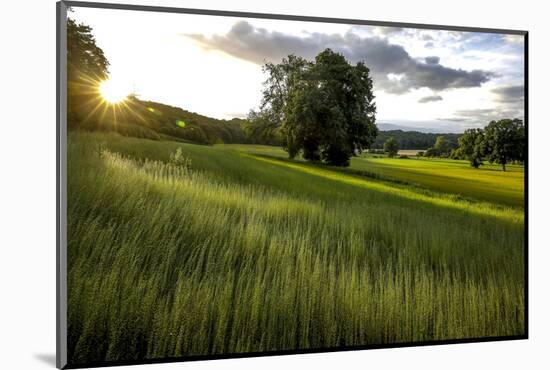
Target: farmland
[179,249]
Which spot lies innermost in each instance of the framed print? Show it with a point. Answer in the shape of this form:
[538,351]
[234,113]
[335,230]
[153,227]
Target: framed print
[240,184]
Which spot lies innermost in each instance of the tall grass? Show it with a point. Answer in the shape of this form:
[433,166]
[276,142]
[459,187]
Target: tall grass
[233,254]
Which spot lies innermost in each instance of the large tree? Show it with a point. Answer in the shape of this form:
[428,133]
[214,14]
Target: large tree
[505,141]
[324,109]
[472,146]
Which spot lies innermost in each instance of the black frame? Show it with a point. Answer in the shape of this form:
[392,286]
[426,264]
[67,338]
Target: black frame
[61,261]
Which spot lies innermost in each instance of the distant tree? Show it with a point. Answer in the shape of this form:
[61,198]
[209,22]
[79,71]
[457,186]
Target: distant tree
[391,147]
[442,146]
[505,141]
[261,128]
[472,145]
[324,109]
[431,152]
[420,154]
[413,139]
[456,154]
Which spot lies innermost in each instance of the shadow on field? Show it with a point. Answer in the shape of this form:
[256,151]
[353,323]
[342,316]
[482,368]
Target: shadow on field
[402,189]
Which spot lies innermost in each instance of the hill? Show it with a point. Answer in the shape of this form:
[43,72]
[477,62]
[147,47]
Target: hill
[152,120]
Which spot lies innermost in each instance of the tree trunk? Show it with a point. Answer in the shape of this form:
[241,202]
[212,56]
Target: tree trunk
[504,166]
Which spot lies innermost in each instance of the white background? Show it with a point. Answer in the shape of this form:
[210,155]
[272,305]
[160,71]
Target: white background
[27,183]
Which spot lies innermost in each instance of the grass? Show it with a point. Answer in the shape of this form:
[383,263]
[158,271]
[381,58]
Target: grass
[488,183]
[240,252]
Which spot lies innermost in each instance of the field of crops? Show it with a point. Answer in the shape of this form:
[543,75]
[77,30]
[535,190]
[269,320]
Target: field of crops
[232,249]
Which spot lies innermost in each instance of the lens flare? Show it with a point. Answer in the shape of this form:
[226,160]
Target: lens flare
[113,91]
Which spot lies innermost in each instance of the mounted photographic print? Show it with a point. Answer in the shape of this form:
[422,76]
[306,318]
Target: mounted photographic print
[238,184]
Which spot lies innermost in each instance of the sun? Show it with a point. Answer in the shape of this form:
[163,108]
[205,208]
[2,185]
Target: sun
[114,91]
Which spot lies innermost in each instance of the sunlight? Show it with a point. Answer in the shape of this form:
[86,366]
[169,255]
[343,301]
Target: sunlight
[114,91]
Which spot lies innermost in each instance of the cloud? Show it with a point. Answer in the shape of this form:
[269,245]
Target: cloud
[514,39]
[510,94]
[481,117]
[431,60]
[387,31]
[430,98]
[453,119]
[259,45]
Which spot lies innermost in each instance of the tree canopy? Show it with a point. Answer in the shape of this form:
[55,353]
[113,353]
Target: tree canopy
[86,67]
[471,146]
[442,146]
[84,57]
[505,141]
[499,142]
[324,109]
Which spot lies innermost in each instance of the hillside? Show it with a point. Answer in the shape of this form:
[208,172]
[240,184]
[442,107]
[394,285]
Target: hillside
[152,120]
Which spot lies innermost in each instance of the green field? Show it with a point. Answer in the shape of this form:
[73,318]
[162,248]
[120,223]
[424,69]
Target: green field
[239,250]
[488,183]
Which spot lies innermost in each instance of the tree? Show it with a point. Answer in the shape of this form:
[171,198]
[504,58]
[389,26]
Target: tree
[442,146]
[472,145]
[391,147]
[84,58]
[505,141]
[324,109]
[87,66]
[431,152]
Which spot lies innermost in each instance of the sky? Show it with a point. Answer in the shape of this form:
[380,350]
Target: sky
[434,80]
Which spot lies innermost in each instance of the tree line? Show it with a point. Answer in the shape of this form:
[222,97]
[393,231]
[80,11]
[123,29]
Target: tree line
[413,139]
[500,142]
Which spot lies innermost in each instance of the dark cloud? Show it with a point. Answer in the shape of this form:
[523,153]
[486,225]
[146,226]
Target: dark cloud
[259,45]
[430,98]
[432,60]
[510,94]
[481,117]
[386,31]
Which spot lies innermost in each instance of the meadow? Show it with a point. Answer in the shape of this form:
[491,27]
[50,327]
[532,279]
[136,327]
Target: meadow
[177,250]
[488,183]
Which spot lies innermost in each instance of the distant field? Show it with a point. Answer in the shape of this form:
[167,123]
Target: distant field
[488,183]
[245,251]
[409,152]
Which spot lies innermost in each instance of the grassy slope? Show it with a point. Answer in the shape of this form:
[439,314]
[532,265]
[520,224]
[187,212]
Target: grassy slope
[245,253]
[488,183]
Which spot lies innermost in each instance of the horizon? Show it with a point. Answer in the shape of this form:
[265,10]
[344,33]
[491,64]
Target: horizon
[442,81]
